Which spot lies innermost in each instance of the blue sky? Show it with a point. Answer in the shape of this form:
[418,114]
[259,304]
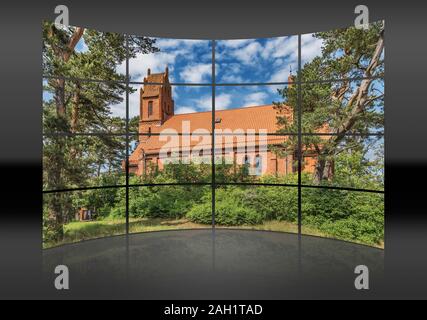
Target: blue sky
[237,61]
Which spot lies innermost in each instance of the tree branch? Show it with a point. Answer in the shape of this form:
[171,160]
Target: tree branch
[75,38]
[359,98]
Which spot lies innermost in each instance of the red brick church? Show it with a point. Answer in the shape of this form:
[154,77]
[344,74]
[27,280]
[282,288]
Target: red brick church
[157,116]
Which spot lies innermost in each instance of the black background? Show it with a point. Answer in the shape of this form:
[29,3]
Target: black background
[405,111]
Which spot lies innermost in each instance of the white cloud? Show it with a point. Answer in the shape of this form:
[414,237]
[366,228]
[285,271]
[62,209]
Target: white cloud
[231,78]
[255,99]
[277,52]
[119,110]
[310,47]
[248,54]
[282,74]
[204,103]
[230,73]
[182,110]
[278,62]
[222,101]
[157,62]
[134,102]
[167,43]
[179,43]
[281,47]
[170,49]
[196,73]
[233,44]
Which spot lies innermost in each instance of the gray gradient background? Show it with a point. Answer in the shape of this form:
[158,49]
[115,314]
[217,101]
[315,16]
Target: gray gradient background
[406,112]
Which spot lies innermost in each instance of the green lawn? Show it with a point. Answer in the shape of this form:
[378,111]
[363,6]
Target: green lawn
[84,230]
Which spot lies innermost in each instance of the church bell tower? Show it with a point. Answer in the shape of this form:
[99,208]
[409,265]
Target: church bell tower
[156,103]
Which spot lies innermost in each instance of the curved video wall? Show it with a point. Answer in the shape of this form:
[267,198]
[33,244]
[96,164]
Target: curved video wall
[145,134]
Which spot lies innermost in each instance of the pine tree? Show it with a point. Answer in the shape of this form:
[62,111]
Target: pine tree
[339,107]
[82,106]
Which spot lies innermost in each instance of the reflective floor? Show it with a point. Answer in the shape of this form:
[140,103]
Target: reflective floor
[213,264]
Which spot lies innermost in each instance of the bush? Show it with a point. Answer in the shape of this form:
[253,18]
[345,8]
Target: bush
[273,203]
[353,216]
[160,201]
[230,210]
[346,215]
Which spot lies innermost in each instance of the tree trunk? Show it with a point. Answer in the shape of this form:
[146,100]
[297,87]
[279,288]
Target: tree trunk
[56,210]
[60,97]
[76,106]
[323,171]
[357,104]
[54,213]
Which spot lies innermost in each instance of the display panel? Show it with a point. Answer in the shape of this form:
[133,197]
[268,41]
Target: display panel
[158,124]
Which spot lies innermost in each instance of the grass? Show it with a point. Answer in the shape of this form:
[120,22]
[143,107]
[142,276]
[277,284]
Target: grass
[84,230]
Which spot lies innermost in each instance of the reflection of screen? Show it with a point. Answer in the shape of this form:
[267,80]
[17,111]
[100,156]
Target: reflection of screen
[145,134]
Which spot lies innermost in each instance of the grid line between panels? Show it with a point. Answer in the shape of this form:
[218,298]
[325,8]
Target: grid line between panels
[207,84]
[213,179]
[72,134]
[217,184]
[299,111]
[127,134]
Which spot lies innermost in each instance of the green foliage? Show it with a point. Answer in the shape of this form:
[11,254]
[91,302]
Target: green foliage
[230,209]
[249,205]
[340,107]
[78,106]
[82,106]
[344,215]
[159,201]
[354,216]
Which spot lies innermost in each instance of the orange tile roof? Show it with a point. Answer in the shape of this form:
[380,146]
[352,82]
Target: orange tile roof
[250,118]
